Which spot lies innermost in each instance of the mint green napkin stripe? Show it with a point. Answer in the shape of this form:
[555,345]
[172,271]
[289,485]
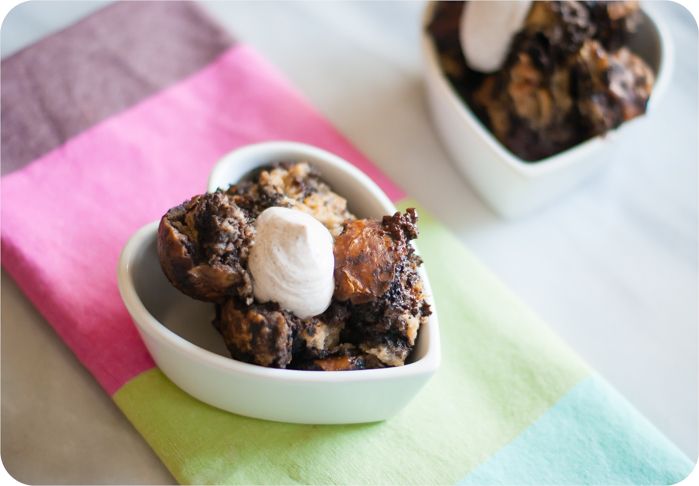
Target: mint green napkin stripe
[502,369]
[591,436]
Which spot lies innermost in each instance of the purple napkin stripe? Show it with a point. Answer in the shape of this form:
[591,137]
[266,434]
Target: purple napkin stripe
[68,82]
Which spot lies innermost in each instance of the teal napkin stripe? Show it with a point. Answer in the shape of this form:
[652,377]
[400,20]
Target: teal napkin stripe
[591,436]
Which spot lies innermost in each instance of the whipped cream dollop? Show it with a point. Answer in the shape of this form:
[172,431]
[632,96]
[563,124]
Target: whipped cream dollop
[487,29]
[292,261]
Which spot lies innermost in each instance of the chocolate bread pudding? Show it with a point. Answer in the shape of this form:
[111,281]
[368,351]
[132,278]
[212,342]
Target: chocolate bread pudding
[265,251]
[567,76]
[376,273]
[203,247]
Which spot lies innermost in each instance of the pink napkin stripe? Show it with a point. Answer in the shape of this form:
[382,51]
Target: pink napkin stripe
[79,328]
[67,215]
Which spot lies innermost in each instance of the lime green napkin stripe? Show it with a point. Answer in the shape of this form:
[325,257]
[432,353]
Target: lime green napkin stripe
[502,368]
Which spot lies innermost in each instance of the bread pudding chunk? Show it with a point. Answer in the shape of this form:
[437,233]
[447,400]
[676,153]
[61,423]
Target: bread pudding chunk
[346,358]
[321,336]
[376,271]
[203,246]
[259,333]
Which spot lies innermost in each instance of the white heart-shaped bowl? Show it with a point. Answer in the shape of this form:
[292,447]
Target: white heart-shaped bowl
[177,330]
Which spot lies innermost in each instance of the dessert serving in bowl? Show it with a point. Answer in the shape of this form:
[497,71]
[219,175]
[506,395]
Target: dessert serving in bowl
[530,97]
[291,291]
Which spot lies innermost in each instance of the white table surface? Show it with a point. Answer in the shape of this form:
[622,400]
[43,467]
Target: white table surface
[612,268]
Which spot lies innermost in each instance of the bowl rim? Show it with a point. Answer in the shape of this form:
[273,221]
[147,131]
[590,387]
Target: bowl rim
[146,322]
[572,156]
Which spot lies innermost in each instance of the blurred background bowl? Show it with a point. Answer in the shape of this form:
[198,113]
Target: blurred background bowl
[512,186]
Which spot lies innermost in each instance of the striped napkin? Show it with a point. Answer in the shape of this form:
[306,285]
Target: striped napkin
[110,122]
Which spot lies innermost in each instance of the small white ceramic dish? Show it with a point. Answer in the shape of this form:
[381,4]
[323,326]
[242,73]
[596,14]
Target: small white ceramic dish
[178,333]
[511,186]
